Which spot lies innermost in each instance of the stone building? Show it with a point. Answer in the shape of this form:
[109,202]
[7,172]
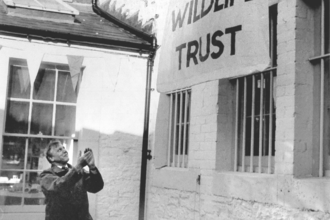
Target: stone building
[71,71]
[242,130]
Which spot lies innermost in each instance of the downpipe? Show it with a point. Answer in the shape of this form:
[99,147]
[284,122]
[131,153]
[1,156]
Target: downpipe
[145,140]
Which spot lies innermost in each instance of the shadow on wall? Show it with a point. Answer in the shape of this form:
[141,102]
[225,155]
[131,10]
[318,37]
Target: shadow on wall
[282,197]
[118,157]
[119,162]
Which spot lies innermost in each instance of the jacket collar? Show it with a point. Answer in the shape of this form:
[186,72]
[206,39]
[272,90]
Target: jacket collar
[57,169]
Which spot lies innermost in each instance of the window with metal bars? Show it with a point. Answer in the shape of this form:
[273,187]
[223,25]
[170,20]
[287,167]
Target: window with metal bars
[179,128]
[35,114]
[322,62]
[256,113]
[255,123]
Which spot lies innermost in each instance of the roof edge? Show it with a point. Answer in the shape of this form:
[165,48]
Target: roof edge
[147,37]
[69,39]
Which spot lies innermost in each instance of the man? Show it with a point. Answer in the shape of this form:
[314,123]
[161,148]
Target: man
[65,186]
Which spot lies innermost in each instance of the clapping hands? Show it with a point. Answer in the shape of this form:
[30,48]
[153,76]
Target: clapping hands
[87,159]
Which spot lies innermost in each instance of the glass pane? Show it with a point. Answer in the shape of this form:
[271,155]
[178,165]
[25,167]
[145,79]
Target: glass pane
[188,109]
[326,27]
[17,117]
[53,5]
[36,157]
[65,120]
[19,82]
[327,112]
[65,90]
[13,153]
[26,3]
[267,94]
[33,194]
[187,139]
[249,90]
[248,131]
[11,187]
[257,94]
[44,85]
[42,119]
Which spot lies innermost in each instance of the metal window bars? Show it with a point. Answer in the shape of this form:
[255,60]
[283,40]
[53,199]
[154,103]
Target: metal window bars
[323,59]
[255,123]
[255,113]
[179,128]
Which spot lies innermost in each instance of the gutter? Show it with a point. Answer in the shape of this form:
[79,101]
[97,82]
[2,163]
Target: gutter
[58,37]
[147,37]
[145,139]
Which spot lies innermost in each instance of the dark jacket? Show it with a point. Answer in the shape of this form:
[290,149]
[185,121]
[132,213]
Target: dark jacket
[66,192]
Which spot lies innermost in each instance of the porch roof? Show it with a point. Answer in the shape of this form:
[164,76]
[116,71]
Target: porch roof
[86,28]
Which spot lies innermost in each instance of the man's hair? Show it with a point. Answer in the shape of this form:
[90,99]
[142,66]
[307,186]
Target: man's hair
[52,143]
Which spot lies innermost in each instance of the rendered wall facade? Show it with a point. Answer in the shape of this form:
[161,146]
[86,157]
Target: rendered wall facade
[109,120]
[294,191]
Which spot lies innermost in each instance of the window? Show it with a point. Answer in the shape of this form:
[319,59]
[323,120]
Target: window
[256,114]
[179,128]
[322,64]
[34,115]
[45,5]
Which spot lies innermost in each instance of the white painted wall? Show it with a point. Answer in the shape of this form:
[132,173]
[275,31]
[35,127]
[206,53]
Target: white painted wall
[109,119]
[294,191]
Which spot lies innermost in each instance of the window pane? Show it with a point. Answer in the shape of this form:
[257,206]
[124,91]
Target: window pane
[36,157]
[257,94]
[19,82]
[187,139]
[178,142]
[65,120]
[17,117]
[267,94]
[42,119]
[33,194]
[65,90]
[11,187]
[188,105]
[13,153]
[261,125]
[44,85]
[326,27]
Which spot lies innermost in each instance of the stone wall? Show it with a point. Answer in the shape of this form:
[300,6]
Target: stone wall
[120,163]
[178,205]
[209,189]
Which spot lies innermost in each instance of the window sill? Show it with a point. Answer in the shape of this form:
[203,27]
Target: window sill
[307,193]
[175,178]
[23,209]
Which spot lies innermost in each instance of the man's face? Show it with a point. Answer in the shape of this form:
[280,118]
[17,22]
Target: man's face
[59,154]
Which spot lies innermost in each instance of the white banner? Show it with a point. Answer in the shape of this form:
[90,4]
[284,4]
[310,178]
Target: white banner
[212,39]
[75,64]
[34,59]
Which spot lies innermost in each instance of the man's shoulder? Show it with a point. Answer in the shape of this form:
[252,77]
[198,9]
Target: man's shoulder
[46,172]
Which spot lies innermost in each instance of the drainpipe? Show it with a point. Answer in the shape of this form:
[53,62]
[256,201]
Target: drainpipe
[145,138]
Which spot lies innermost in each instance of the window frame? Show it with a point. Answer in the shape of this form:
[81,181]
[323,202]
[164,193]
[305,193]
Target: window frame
[240,134]
[178,118]
[70,140]
[242,109]
[321,59]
